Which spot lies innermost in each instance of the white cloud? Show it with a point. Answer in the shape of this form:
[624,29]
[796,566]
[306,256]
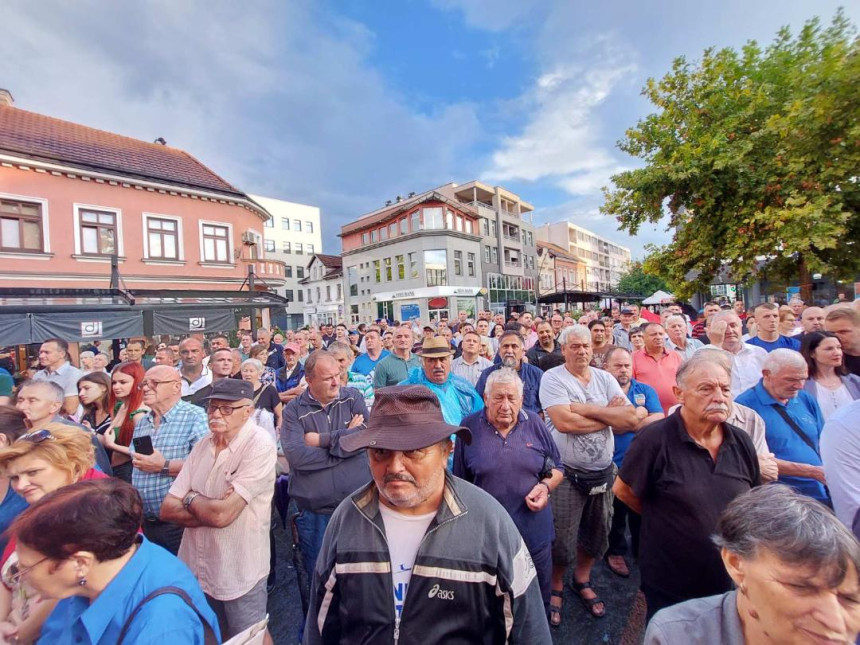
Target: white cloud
[492,15]
[561,141]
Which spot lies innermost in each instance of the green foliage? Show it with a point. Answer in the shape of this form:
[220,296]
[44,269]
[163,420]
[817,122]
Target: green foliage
[751,154]
[640,282]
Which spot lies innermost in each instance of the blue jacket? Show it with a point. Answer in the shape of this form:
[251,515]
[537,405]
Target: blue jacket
[282,383]
[530,375]
[456,395]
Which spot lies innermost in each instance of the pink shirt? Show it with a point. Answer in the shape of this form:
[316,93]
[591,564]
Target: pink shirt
[229,561]
[659,374]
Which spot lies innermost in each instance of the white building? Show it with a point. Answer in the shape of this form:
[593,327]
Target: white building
[323,287]
[605,261]
[293,236]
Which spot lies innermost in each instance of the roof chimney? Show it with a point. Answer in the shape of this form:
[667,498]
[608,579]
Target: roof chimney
[6,98]
[399,199]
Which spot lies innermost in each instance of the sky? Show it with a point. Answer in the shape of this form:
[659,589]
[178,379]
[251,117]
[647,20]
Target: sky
[345,104]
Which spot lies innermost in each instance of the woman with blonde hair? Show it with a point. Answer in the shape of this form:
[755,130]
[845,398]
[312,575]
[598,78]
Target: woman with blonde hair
[36,464]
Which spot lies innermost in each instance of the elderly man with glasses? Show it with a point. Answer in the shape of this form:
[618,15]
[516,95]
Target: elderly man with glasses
[223,498]
[162,441]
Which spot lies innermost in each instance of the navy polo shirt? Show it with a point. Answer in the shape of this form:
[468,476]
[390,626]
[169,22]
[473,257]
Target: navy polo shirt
[783,440]
[652,404]
[530,376]
[508,468]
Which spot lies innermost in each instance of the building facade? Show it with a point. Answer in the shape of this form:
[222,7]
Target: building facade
[323,286]
[293,235]
[605,261]
[508,252]
[414,258]
[72,198]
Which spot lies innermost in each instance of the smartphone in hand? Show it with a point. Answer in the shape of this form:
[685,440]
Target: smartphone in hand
[143,445]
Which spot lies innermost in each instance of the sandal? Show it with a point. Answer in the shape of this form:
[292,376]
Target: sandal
[617,565]
[555,612]
[589,603]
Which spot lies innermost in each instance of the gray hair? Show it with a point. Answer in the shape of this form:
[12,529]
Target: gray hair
[722,315]
[503,376]
[795,528]
[253,362]
[707,356]
[341,349]
[674,317]
[580,332]
[55,392]
[84,355]
[783,357]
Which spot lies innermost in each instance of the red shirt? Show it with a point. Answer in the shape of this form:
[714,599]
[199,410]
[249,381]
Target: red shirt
[659,374]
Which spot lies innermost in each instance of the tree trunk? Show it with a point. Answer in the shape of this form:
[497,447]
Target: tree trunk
[805,280]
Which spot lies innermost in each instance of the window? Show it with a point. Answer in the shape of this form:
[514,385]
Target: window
[495,255]
[287,247]
[372,237]
[460,223]
[470,229]
[288,270]
[297,225]
[215,243]
[20,226]
[310,249]
[328,293]
[415,221]
[377,271]
[392,230]
[309,227]
[319,295]
[449,220]
[436,267]
[98,232]
[486,253]
[300,273]
[485,227]
[269,245]
[493,231]
[383,233]
[364,238]
[458,263]
[404,226]
[288,294]
[161,238]
[401,267]
[310,296]
[301,293]
[339,291]
[269,223]
[285,223]
[433,218]
[299,249]
[413,265]
[470,264]
[351,275]
[388,277]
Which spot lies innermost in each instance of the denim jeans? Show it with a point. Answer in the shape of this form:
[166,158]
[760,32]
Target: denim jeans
[311,528]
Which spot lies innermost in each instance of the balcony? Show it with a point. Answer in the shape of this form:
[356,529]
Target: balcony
[270,271]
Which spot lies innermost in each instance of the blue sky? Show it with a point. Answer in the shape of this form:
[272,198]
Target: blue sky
[345,104]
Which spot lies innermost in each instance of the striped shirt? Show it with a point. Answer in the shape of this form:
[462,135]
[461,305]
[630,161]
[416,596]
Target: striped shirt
[180,428]
[470,372]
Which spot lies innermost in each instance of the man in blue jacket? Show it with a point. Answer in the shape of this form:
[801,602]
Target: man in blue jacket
[511,351]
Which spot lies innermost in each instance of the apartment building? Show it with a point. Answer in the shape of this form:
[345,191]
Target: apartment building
[323,287]
[293,235]
[418,257]
[605,261]
[508,242]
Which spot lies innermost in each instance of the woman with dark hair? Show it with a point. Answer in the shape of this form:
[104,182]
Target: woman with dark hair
[128,410]
[829,382]
[81,546]
[94,393]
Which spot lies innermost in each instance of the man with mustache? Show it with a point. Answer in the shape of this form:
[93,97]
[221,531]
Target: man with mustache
[223,498]
[511,351]
[418,555]
[679,474]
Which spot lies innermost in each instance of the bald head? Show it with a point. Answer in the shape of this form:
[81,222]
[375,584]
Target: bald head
[812,319]
[161,388]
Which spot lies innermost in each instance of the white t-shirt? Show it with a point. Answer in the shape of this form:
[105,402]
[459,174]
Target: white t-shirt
[404,534]
[591,451]
[831,400]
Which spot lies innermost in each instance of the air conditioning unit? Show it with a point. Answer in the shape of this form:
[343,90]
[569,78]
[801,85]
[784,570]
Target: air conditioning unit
[249,238]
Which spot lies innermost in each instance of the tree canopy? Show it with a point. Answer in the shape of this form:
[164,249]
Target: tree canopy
[639,283]
[751,154]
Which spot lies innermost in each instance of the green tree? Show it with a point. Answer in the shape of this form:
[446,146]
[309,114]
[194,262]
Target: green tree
[751,154]
[636,281]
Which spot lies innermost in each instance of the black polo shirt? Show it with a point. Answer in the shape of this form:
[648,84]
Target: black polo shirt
[683,492]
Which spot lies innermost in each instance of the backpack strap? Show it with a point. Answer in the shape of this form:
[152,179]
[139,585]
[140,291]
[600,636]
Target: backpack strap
[209,633]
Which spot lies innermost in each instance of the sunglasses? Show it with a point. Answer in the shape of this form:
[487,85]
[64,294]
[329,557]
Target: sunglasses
[37,437]
[225,410]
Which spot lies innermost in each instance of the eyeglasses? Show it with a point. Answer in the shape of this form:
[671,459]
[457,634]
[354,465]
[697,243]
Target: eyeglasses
[37,437]
[152,384]
[15,573]
[225,410]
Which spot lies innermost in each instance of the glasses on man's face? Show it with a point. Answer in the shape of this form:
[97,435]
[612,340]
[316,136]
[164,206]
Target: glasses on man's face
[152,383]
[15,573]
[225,410]
[37,437]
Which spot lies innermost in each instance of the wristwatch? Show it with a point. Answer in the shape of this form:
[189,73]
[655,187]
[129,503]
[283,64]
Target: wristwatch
[165,469]
[186,503]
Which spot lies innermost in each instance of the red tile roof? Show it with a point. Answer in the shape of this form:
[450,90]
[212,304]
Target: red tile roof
[43,138]
[375,217]
[558,251]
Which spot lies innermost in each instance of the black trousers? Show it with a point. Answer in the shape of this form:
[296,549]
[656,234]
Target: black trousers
[622,516]
[164,534]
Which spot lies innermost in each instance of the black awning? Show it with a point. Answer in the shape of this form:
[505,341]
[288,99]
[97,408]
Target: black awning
[85,325]
[15,329]
[187,322]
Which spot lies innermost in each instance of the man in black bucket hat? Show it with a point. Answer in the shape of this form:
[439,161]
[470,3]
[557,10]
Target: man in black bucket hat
[416,528]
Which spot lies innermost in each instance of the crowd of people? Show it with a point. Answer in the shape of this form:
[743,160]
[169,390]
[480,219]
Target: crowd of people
[444,481]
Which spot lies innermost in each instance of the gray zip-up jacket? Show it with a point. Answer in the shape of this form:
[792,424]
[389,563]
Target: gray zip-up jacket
[321,478]
[473,580]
